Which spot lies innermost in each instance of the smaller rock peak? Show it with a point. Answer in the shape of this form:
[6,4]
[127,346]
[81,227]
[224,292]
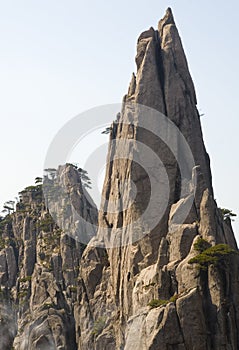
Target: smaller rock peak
[147,34]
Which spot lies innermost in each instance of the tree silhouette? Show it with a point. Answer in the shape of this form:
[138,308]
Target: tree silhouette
[227,213]
[107,130]
[8,207]
[38,180]
[86,182]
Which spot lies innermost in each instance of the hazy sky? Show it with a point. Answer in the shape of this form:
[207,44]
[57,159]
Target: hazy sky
[59,58]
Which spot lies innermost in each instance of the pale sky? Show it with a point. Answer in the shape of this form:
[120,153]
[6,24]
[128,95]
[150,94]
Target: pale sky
[59,58]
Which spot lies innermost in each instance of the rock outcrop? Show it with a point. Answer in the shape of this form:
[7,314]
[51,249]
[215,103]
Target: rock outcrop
[172,285]
[191,306]
[40,268]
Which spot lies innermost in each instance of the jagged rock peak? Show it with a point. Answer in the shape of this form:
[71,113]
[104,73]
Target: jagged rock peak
[157,270]
[150,33]
[167,19]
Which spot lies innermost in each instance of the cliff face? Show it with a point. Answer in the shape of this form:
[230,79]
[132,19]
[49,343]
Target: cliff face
[171,285]
[39,268]
[192,306]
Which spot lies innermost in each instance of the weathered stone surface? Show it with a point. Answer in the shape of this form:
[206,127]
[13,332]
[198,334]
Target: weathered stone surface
[179,211]
[158,266]
[186,274]
[8,325]
[11,266]
[3,267]
[154,329]
[180,241]
[192,320]
[44,291]
[145,288]
[212,226]
[62,294]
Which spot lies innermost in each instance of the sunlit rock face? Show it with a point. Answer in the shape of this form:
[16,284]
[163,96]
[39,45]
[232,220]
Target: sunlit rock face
[193,312]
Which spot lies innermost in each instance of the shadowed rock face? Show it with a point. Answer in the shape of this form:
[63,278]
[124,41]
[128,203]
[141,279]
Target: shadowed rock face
[58,294]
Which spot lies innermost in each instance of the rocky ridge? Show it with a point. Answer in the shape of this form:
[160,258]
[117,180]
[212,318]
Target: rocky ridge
[39,269]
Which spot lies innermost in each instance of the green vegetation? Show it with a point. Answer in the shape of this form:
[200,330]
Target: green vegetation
[38,180]
[52,239]
[25,279]
[157,302]
[201,245]
[50,174]
[74,165]
[99,325]
[22,294]
[84,178]
[174,298]
[34,190]
[9,207]
[2,243]
[107,130]
[214,255]
[149,285]
[47,306]
[19,205]
[162,302]
[3,223]
[73,289]
[227,213]
[46,224]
